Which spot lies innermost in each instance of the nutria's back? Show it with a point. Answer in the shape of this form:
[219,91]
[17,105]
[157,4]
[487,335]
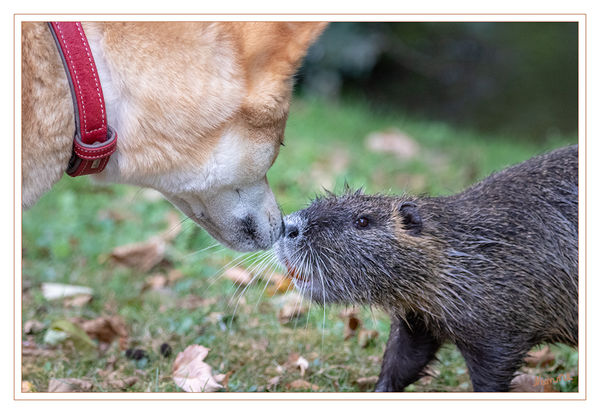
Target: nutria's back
[499,259]
[516,234]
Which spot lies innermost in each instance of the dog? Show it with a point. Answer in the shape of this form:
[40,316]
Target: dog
[200,109]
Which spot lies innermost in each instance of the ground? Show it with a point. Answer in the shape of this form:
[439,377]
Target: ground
[182,295]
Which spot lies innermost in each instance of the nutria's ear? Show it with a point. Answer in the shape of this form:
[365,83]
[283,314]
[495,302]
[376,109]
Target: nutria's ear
[411,219]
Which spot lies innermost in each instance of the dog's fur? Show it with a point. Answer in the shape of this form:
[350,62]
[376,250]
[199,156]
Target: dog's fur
[200,109]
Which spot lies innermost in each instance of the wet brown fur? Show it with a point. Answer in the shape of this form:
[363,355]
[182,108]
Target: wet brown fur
[492,269]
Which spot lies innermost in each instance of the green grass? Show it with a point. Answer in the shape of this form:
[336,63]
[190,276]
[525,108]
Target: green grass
[69,234]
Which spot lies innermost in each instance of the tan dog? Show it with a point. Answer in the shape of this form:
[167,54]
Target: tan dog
[200,109]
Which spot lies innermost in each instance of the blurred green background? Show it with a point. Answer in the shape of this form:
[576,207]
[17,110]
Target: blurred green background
[462,100]
[513,78]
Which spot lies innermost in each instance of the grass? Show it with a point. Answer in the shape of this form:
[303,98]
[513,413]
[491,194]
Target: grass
[69,234]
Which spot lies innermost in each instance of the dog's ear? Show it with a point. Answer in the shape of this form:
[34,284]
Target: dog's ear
[301,36]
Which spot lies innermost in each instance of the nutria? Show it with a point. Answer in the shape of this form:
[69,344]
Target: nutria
[492,269]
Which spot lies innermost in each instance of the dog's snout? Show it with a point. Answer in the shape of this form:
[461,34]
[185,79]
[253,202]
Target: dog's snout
[291,231]
[248,225]
[282,228]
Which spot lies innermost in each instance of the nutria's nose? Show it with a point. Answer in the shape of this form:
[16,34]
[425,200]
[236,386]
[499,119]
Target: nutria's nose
[291,231]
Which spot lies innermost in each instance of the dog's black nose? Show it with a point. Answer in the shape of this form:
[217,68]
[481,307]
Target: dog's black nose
[291,231]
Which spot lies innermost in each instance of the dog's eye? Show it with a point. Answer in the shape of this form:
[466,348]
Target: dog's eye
[361,222]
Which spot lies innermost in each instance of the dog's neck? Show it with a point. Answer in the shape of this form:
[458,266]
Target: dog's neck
[114,108]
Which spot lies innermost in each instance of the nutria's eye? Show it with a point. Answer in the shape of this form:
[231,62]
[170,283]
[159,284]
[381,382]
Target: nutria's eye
[361,222]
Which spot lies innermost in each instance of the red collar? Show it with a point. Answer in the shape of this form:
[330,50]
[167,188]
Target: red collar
[94,140]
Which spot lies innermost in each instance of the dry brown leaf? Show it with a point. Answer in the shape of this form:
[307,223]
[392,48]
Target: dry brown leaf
[224,378]
[541,358]
[301,384]
[32,327]
[32,349]
[367,337]
[27,386]
[214,317]
[273,382]
[530,383]
[294,361]
[155,282]
[104,329]
[121,383]
[393,141]
[292,306]
[365,383]
[280,284]
[69,385]
[191,302]
[238,275]
[351,322]
[173,276]
[141,256]
[429,373]
[77,301]
[191,373]
[302,364]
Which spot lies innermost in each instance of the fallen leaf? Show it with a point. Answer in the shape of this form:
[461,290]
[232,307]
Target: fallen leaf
[540,358]
[78,301]
[121,383]
[367,337]
[215,317]
[273,382]
[32,327]
[191,302]
[30,348]
[429,373]
[302,364]
[224,378]
[62,329]
[374,359]
[238,275]
[191,373]
[52,291]
[365,383]
[173,276]
[27,386]
[394,142]
[105,329]
[292,306]
[530,383]
[301,384]
[155,282]
[351,322]
[141,256]
[69,385]
[281,284]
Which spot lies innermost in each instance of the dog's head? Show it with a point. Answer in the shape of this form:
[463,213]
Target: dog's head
[200,109]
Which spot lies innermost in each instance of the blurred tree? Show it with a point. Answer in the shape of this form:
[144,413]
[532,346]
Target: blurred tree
[515,77]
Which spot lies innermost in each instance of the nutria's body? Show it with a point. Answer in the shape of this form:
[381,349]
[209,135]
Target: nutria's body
[492,269]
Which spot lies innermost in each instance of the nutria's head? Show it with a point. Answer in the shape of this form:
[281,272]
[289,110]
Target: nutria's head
[355,248]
